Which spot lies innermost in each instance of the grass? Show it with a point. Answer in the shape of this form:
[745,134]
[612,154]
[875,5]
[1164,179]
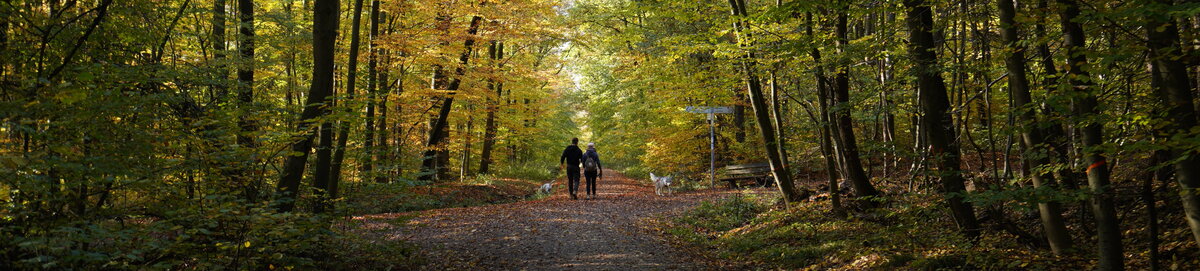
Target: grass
[908,234]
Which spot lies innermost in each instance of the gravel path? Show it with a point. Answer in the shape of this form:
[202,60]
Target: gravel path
[556,233]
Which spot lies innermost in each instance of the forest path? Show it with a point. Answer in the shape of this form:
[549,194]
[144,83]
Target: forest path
[555,233]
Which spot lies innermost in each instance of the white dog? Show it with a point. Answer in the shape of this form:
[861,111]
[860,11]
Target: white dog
[545,189]
[662,184]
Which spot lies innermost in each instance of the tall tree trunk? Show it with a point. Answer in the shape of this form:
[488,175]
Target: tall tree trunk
[847,145]
[777,114]
[495,52]
[438,129]
[465,168]
[245,98]
[939,126]
[1055,132]
[382,127]
[1083,105]
[339,155]
[758,103]
[739,118]
[1175,91]
[831,168]
[1035,159]
[325,23]
[217,38]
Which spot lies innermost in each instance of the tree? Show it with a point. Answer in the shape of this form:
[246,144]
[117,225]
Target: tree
[351,76]
[325,23]
[430,167]
[823,119]
[938,127]
[495,53]
[1083,105]
[757,101]
[843,124]
[1175,92]
[1031,136]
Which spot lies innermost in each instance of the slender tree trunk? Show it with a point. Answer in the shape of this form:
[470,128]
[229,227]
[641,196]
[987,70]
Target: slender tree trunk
[495,52]
[1055,132]
[325,23]
[1083,105]
[758,103]
[831,168]
[852,167]
[1035,159]
[1176,94]
[465,170]
[339,156]
[217,38]
[939,127]
[245,98]
[739,118]
[438,129]
[777,113]
[382,128]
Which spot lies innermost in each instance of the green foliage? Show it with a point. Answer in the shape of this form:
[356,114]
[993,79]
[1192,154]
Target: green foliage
[222,233]
[908,234]
[540,170]
[722,215]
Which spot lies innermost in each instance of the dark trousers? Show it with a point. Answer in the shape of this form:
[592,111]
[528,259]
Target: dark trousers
[591,181]
[572,179]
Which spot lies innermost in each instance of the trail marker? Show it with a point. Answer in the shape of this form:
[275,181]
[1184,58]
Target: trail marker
[711,111]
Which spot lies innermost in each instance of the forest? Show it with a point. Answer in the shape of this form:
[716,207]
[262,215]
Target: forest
[388,134]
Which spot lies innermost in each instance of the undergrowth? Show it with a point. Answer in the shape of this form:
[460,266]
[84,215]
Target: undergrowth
[910,233]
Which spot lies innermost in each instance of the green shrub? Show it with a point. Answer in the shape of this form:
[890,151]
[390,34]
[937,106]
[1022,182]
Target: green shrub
[541,170]
[221,233]
[724,214]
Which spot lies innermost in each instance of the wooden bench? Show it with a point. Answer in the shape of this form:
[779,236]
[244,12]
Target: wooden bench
[759,173]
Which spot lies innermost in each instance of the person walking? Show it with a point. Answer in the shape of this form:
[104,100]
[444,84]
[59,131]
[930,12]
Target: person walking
[570,160]
[592,169]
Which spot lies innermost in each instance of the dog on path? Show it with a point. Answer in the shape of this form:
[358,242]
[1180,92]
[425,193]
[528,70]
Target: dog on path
[545,189]
[662,184]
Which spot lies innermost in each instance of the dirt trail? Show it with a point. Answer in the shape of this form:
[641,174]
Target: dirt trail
[555,233]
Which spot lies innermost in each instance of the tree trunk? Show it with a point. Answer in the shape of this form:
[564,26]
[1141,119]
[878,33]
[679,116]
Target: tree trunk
[777,114]
[758,103]
[1083,105]
[325,24]
[831,168]
[939,126]
[245,98]
[1035,159]
[367,163]
[465,168]
[739,118]
[1175,92]
[381,129]
[339,156]
[1055,133]
[217,38]
[495,52]
[438,129]
[852,167]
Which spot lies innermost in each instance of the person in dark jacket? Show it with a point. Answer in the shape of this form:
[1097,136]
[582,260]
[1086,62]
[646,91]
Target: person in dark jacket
[591,172]
[570,159]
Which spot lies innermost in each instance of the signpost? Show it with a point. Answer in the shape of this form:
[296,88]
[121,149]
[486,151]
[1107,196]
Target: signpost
[711,111]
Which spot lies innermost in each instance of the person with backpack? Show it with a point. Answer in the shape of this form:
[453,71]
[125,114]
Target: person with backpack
[570,161]
[592,169]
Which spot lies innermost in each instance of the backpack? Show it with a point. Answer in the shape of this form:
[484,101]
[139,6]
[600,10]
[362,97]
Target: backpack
[589,163]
